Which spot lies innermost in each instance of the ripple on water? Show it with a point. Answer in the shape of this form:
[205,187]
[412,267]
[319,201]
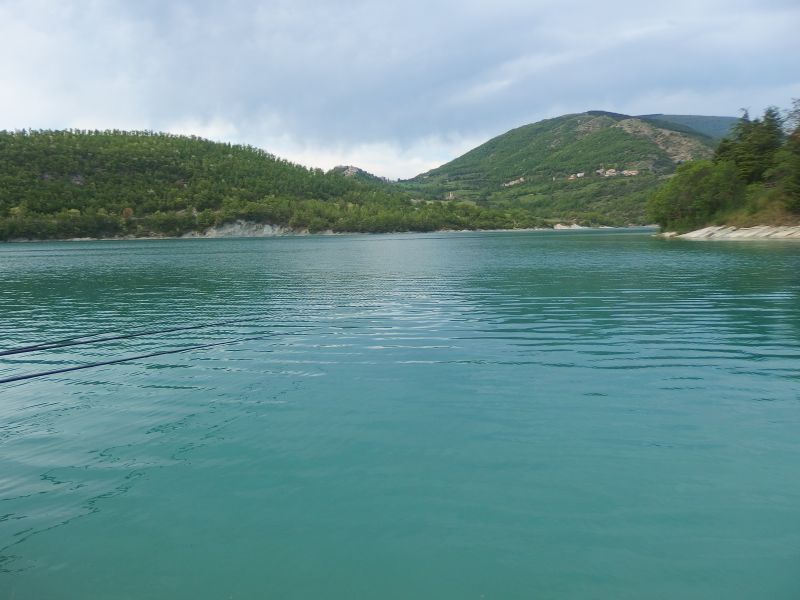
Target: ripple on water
[501,414]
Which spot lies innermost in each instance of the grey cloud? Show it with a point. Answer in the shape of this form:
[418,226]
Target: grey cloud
[356,73]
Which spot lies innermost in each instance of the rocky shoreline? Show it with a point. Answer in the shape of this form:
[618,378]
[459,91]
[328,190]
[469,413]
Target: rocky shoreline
[728,233]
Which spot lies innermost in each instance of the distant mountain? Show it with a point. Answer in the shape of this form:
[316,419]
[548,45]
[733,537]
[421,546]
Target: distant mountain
[357,174]
[714,127]
[594,167]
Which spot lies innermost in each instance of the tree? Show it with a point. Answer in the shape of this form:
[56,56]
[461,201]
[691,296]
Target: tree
[753,145]
[695,194]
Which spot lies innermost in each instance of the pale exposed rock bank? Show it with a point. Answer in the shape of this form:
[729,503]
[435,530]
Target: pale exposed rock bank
[245,229]
[724,232]
[560,226]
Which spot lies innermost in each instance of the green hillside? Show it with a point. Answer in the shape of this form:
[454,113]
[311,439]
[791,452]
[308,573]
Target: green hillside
[753,179]
[530,168]
[358,174]
[64,184]
[595,168]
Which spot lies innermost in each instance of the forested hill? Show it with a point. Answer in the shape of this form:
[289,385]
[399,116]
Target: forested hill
[595,167]
[753,179]
[61,184]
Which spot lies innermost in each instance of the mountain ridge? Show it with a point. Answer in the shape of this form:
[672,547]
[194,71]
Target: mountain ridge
[569,167]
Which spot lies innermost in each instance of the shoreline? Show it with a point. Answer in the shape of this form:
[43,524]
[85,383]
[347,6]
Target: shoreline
[250,229]
[727,233]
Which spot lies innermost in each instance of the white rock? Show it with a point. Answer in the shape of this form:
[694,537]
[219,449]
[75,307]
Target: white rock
[244,229]
[759,232]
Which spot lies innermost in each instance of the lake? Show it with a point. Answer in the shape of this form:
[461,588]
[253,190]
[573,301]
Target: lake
[565,415]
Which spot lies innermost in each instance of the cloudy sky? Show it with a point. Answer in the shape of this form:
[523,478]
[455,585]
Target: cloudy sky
[393,87]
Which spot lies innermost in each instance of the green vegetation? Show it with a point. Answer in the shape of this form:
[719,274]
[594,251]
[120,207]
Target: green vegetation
[528,169]
[63,184]
[754,178]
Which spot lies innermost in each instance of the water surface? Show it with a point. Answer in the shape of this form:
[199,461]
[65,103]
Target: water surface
[480,415]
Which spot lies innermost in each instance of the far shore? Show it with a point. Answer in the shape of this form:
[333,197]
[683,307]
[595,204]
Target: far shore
[245,229]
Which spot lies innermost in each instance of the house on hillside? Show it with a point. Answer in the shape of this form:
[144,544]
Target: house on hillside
[514,182]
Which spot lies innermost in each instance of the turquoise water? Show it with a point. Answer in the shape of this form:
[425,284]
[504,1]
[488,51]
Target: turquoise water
[499,415]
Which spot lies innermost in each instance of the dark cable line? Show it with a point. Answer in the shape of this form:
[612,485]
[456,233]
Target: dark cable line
[97,337]
[59,342]
[121,360]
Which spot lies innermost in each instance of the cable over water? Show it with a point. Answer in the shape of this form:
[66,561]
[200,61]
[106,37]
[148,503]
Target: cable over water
[123,360]
[97,337]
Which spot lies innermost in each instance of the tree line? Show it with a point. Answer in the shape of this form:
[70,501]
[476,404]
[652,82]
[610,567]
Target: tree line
[753,178]
[79,183]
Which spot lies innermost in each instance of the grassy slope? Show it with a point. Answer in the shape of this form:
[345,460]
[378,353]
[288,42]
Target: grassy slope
[545,153]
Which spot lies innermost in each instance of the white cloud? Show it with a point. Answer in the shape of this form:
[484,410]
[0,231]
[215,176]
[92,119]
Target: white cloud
[385,159]
[393,88]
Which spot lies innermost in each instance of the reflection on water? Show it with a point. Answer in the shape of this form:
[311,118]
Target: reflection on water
[562,415]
